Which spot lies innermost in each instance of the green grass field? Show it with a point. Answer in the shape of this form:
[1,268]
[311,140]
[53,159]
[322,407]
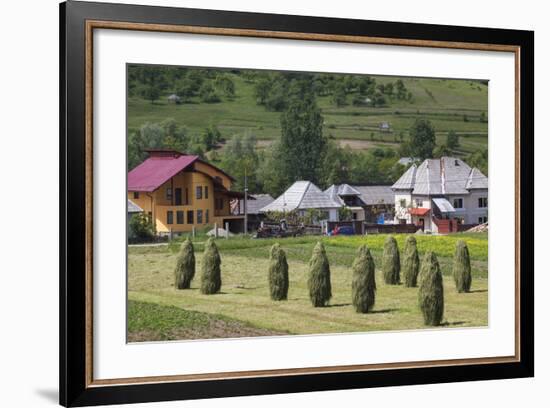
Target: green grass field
[157,311]
[445,103]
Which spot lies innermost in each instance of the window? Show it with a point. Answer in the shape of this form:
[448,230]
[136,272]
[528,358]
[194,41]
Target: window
[482,220]
[186,196]
[458,203]
[482,202]
[199,216]
[198,192]
[179,217]
[190,217]
[177,192]
[219,203]
[402,202]
[207,216]
[205,191]
[169,217]
[419,203]
[136,194]
[168,193]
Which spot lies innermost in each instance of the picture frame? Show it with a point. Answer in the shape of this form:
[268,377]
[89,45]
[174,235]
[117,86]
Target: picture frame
[78,20]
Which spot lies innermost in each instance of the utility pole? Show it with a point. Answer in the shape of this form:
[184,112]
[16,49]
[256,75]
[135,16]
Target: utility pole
[245,202]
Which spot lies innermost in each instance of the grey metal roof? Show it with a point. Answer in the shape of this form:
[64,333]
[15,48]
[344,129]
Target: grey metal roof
[254,206]
[302,195]
[133,207]
[337,190]
[444,205]
[447,175]
[372,195]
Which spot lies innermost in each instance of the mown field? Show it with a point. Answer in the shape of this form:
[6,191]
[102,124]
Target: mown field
[157,311]
[449,104]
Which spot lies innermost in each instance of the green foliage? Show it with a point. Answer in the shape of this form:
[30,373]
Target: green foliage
[319,286]
[363,285]
[390,262]
[185,265]
[422,139]
[479,159]
[345,214]
[411,262]
[278,273]
[141,227]
[452,140]
[302,147]
[208,94]
[430,293]
[339,95]
[211,280]
[462,271]
[241,159]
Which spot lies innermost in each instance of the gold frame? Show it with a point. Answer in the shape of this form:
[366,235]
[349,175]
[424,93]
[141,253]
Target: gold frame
[99,24]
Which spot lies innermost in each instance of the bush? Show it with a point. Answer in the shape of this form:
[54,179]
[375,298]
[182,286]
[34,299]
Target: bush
[391,264]
[363,285]
[430,293]
[140,227]
[319,277]
[185,265]
[278,273]
[211,280]
[462,272]
[411,263]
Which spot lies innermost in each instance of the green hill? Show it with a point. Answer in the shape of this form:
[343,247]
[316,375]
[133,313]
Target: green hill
[450,104]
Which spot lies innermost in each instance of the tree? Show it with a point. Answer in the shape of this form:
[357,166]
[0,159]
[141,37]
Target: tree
[363,285]
[151,81]
[185,90]
[302,146]
[185,265]
[390,261]
[339,95]
[319,285]
[462,272]
[211,280]
[422,139]
[208,94]
[452,140]
[211,137]
[411,263]
[261,90]
[278,273]
[430,293]
[225,85]
[482,117]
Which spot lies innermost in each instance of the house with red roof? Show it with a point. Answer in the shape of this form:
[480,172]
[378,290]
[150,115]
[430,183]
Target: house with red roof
[181,191]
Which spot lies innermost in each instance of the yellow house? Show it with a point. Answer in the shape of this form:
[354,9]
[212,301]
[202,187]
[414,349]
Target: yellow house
[182,191]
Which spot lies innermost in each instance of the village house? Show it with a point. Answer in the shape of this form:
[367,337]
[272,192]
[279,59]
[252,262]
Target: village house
[303,196]
[182,191]
[254,204]
[349,197]
[440,195]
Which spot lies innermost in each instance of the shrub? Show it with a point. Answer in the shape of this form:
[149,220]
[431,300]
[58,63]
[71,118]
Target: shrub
[390,262]
[278,273]
[319,277]
[141,227]
[462,272]
[211,280]
[185,265]
[411,263]
[430,293]
[363,285]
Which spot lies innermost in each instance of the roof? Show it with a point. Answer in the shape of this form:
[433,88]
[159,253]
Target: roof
[159,167]
[447,175]
[133,207]
[338,190]
[372,195]
[443,205]
[302,195]
[419,211]
[256,204]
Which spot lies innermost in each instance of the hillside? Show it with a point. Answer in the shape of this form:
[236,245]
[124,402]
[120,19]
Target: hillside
[449,104]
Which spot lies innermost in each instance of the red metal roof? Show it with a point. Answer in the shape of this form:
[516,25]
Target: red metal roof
[156,170]
[419,211]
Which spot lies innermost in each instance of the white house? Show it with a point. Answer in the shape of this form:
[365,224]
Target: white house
[304,195]
[441,193]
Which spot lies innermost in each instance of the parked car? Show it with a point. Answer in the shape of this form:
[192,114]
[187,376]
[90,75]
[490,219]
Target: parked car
[343,230]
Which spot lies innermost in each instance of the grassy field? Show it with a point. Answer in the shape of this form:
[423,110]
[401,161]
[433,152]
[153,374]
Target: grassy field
[448,104]
[157,311]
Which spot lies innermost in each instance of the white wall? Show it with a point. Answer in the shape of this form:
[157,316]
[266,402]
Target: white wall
[28,260]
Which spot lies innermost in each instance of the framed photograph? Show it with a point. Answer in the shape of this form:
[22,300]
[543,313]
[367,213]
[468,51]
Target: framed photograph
[256,204]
